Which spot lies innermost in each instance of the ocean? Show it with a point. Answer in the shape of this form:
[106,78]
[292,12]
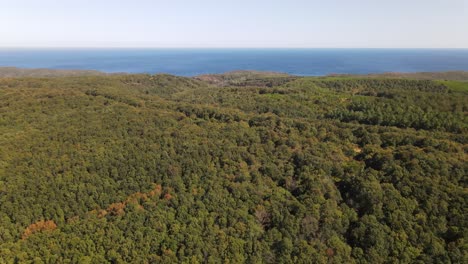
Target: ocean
[191,62]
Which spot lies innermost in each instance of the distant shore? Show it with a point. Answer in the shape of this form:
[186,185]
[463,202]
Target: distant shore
[195,62]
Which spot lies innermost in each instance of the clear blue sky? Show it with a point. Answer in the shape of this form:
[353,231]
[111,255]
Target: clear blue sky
[235,23]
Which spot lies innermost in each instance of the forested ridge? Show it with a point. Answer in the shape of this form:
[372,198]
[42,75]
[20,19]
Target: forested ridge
[245,168]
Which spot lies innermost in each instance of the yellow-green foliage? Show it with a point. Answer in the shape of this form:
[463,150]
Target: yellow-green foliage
[456,86]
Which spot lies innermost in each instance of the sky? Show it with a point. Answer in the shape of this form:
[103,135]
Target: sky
[235,23]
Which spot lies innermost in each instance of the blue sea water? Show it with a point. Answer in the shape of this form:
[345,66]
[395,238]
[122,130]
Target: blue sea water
[191,62]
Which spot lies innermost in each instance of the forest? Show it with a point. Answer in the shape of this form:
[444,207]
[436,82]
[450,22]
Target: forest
[245,167]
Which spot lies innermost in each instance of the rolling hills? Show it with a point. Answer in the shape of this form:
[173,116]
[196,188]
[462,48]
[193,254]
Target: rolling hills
[236,168]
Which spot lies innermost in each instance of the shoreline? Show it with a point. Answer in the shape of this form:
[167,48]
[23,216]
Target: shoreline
[17,72]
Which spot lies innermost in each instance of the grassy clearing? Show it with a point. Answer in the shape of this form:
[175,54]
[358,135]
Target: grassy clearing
[456,86]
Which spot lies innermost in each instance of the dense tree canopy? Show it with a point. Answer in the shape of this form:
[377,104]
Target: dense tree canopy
[272,169]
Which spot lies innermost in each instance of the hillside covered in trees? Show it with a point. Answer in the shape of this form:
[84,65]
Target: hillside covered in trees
[238,168]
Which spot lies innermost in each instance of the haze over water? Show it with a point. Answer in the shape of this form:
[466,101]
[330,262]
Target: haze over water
[191,62]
